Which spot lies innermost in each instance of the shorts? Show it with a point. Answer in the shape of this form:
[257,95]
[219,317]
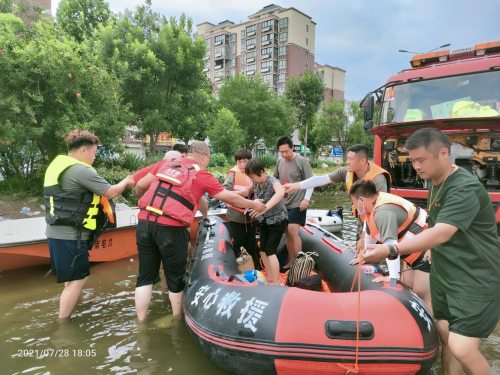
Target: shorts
[162,244]
[62,254]
[465,317]
[270,236]
[296,216]
[420,265]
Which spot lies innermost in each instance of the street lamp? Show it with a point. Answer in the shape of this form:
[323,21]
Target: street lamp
[418,53]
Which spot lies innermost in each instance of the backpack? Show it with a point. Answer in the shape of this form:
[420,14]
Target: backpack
[302,265]
[170,193]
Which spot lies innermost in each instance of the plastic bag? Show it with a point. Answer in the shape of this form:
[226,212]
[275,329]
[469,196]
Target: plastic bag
[245,261]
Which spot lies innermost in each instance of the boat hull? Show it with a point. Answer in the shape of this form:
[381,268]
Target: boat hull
[23,242]
[250,328]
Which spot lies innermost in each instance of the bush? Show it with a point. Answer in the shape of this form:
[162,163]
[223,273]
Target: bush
[132,162]
[269,161]
[319,163]
[153,159]
[218,160]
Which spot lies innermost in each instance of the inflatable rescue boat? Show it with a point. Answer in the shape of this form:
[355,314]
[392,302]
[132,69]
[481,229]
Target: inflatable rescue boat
[248,328]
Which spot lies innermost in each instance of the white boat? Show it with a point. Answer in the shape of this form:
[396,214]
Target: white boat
[330,220]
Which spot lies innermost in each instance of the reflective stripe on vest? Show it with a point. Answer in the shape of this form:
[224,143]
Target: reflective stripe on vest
[241,182]
[415,215]
[373,172]
[55,195]
[170,193]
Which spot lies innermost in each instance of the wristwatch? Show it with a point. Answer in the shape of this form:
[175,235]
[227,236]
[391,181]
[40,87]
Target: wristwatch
[392,253]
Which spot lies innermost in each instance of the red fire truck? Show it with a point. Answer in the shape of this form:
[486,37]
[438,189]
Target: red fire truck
[456,91]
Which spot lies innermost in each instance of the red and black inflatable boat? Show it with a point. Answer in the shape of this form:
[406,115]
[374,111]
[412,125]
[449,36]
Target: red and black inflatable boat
[261,329]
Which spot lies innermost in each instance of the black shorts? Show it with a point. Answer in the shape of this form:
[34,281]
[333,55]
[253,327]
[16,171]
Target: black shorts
[162,244]
[420,265]
[62,253]
[296,216]
[270,236]
[465,317]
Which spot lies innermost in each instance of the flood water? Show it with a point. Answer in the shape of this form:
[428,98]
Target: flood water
[103,336]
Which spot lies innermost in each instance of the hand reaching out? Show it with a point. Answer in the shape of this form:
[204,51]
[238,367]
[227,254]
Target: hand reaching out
[291,187]
[129,182]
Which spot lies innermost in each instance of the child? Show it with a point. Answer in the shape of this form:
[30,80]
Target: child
[273,220]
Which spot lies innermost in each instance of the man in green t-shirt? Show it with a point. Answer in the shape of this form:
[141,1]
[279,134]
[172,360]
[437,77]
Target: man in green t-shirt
[462,236]
[69,262]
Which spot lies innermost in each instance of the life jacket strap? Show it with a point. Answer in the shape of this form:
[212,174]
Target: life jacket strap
[415,218]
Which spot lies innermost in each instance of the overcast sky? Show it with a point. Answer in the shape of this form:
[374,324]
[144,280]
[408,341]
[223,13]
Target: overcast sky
[360,36]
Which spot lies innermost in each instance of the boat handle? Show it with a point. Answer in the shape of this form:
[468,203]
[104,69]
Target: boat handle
[347,329]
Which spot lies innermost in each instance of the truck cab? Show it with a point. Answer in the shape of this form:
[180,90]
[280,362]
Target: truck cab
[456,91]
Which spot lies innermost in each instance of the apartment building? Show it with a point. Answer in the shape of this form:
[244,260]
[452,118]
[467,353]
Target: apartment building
[276,42]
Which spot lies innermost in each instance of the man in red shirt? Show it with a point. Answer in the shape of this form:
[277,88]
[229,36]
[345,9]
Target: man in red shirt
[167,211]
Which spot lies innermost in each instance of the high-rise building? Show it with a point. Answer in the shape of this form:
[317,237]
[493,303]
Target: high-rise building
[276,42]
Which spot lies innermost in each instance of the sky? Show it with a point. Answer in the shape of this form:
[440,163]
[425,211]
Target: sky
[362,37]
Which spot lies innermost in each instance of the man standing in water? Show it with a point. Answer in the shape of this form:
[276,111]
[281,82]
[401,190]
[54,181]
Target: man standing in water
[293,168]
[72,191]
[358,167]
[462,236]
[172,192]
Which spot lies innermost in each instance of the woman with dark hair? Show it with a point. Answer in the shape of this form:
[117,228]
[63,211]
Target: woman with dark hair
[273,220]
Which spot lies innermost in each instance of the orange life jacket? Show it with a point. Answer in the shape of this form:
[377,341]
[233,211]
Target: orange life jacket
[373,172]
[170,193]
[108,210]
[241,182]
[415,216]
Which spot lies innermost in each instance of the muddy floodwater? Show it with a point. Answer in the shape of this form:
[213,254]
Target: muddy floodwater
[103,336]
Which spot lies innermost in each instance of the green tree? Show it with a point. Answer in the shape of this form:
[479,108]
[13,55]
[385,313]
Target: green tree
[305,92]
[54,85]
[225,135]
[158,62]
[79,18]
[356,133]
[260,113]
[333,124]
[5,6]
[342,122]
[192,117]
